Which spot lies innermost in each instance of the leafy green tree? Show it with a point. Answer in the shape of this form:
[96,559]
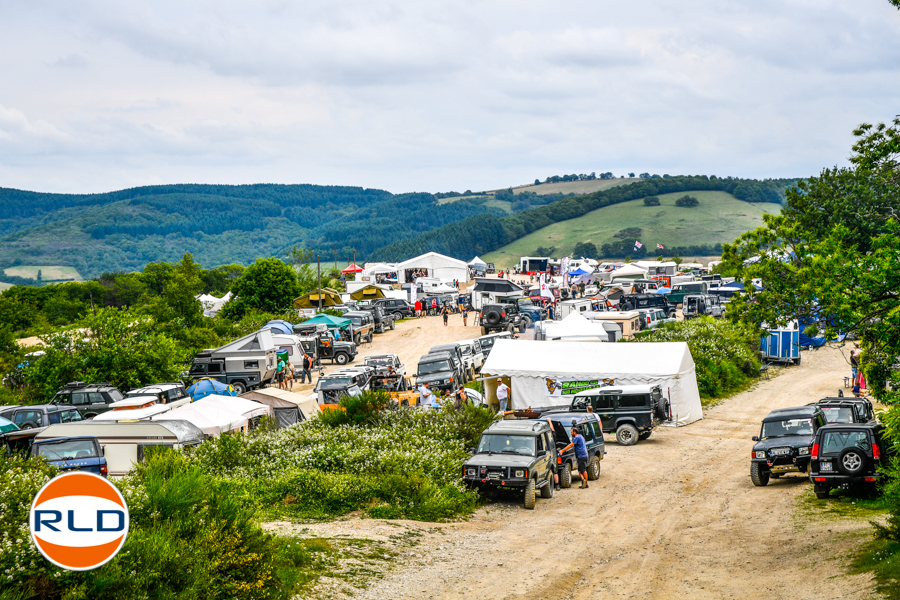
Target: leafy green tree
[651,201]
[267,285]
[585,250]
[687,201]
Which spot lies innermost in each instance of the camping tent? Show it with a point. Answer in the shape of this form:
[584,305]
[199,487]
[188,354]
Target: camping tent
[318,298]
[576,326]
[217,414]
[289,408]
[433,265]
[280,326]
[368,292]
[330,321]
[478,264]
[532,364]
[628,272]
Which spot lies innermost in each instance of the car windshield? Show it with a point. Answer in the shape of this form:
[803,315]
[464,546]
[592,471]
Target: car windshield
[773,429]
[380,361]
[356,320]
[838,414]
[526,304]
[434,367]
[66,450]
[510,444]
[834,442]
[331,383]
[67,416]
[487,343]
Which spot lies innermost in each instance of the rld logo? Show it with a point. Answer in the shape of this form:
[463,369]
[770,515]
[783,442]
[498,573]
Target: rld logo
[79,521]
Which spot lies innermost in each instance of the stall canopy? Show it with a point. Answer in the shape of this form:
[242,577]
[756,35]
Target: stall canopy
[215,415]
[580,271]
[330,321]
[352,268]
[318,299]
[533,365]
[289,408]
[434,265]
[576,326]
[368,292]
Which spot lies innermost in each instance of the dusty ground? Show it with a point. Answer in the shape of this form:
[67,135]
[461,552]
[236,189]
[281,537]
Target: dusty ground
[675,516]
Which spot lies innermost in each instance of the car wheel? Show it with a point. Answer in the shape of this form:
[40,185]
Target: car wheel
[530,497]
[484,331]
[594,469]
[357,339]
[393,325]
[852,461]
[371,337]
[645,435]
[758,475]
[526,322]
[341,359]
[511,329]
[239,386]
[547,490]
[565,477]
[28,425]
[472,374]
[627,435]
[522,327]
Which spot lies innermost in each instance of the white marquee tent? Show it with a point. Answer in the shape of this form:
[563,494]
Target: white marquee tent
[436,266]
[575,327]
[477,263]
[533,365]
[216,414]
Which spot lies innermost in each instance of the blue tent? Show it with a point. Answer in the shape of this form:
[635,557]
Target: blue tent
[207,387]
[663,290]
[580,271]
[279,326]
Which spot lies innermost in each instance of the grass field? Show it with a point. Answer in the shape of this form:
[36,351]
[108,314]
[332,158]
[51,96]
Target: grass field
[5,286]
[47,272]
[491,202]
[720,217]
[573,187]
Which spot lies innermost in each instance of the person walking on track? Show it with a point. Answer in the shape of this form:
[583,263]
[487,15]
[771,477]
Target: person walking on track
[445,312]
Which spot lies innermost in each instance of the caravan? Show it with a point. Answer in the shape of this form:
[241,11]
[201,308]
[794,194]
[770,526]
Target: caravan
[245,363]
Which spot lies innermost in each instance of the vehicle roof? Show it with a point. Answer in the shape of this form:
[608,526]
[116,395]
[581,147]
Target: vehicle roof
[386,355]
[44,407]
[157,386]
[566,418]
[518,427]
[618,389]
[435,356]
[450,345]
[103,385]
[871,425]
[498,334]
[799,411]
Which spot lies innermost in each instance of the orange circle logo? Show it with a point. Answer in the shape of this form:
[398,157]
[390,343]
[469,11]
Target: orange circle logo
[79,521]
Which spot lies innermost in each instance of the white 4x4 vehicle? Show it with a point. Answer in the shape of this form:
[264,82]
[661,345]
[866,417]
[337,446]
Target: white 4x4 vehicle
[651,318]
[472,353]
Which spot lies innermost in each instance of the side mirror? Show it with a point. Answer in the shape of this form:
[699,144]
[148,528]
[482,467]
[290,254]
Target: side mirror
[542,453]
[755,438]
[471,450]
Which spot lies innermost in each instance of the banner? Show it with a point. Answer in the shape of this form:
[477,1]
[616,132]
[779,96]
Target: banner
[567,387]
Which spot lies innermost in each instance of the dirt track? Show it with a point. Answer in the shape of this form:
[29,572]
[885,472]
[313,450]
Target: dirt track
[675,516]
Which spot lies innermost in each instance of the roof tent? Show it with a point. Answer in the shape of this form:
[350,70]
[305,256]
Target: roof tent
[318,299]
[533,367]
[433,265]
[368,292]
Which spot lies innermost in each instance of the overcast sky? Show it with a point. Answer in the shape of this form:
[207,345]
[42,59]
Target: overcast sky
[434,96]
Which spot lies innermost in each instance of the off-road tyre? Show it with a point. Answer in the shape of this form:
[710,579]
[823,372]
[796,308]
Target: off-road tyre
[357,339]
[471,373]
[852,461]
[593,471]
[645,435]
[758,475]
[483,330]
[393,325]
[370,337]
[239,386]
[522,327]
[627,435]
[28,425]
[526,321]
[341,358]
[565,476]
[547,490]
[530,495]
[511,328]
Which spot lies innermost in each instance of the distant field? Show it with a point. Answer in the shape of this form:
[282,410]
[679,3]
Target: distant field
[47,272]
[720,218]
[490,202]
[5,286]
[573,187]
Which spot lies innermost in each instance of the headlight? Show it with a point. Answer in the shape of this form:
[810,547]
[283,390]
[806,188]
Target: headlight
[520,473]
[760,454]
[803,451]
[470,472]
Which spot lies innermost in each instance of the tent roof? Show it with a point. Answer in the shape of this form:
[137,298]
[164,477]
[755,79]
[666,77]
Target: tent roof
[329,320]
[370,291]
[529,358]
[330,297]
[477,262]
[352,268]
[495,284]
[380,268]
[575,325]
[629,269]
[432,260]
[275,397]
[215,414]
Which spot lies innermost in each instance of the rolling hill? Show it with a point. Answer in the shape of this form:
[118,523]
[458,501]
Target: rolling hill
[720,217]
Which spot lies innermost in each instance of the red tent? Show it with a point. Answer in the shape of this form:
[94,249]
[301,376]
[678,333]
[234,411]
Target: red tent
[352,269]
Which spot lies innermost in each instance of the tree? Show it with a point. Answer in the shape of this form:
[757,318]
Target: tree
[687,201]
[585,250]
[268,285]
[542,251]
[537,182]
[631,175]
[651,201]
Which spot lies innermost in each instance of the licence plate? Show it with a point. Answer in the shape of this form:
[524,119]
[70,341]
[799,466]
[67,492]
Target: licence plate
[781,451]
[825,466]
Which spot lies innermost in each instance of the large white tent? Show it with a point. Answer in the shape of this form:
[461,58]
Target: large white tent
[533,366]
[436,266]
[216,414]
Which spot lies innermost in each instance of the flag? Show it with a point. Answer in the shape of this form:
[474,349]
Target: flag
[545,290]
[660,247]
[638,245]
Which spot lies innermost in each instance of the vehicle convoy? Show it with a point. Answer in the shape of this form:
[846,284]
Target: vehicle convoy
[514,455]
[246,363]
[80,453]
[847,410]
[89,399]
[500,317]
[439,371]
[530,312]
[632,412]
[698,305]
[637,301]
[589,427]
[848,454]
[327,347]
[785,442]
[389,373]
[363,325]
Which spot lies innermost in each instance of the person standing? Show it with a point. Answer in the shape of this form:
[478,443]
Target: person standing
[289,375]
[581,454]
[279,374]
[445,312]
[418,308]
[502,395]
[434,310]
[306,366]
[465,315]
[854,361]
[425,395]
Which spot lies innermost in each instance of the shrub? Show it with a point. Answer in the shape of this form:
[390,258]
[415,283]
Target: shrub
[357,410]
[687,201]
[651,201]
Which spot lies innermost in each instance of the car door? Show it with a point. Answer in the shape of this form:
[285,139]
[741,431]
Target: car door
[605,408]
[543,454]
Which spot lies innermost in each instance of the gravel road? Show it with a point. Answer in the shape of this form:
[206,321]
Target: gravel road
[675,516]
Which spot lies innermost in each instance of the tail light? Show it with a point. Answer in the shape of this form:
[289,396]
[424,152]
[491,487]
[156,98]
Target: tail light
[815,452]
[558,460]
[876,452]
[104,470]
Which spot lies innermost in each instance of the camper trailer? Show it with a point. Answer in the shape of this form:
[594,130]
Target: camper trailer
[629,321]
[489,290]
[581,305]
[245,363]
[124,443]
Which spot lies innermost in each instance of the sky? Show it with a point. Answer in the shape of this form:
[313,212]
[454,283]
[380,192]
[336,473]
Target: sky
[434,96]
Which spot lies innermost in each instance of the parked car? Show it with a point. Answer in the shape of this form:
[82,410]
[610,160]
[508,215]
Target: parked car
[530,312]
[163,392]
[629,302]
[848,454]
[500,317]
[326,347]
[681,290]
[588,425]
[385,379]
[466,365]
[246,363]
[472,353]
[514,455]
[697,305]
[395,306]
[39,415]
[363,325]
[632,412]
[81,453]
[361,375]
[847,410]
[651,318]
[89,399]
[439,371]
[784,443]
[329,390]
[487,341]
[383,320]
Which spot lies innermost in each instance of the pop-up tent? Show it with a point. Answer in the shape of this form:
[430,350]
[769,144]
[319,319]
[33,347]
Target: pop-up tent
[478,264]
[352,268]
[533,367]
[318,299]
[575,327]
[330,321]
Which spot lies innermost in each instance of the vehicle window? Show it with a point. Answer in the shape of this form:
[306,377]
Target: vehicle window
[68,416]
[596,427]
[603,402]
[113,395]
[435,367]
[633,401]
[288,349]
[834,442]
[787,427]
[539,443]
[53,418]
[95,398]
[512,444]
[838,414]
[67,450]
[198,369]
[215,367]
[64,399]
[24,416]
[586,432]
[79,398]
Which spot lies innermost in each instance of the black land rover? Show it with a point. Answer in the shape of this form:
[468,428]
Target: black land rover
[514,455]
[847,454]
[847,410]
[500,317]
[588,426]
[439,371]
[637,301]
[784,443]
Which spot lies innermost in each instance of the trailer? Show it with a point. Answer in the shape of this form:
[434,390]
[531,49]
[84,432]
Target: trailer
[246,363]
[782,344]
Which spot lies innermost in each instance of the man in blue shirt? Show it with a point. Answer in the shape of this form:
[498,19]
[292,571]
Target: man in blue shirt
[580,454]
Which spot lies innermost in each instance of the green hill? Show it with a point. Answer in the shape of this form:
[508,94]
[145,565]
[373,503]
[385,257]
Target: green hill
[720,217]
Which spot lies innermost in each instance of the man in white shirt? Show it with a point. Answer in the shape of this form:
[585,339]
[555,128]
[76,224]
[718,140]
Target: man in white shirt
[502,395]
[425,395]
